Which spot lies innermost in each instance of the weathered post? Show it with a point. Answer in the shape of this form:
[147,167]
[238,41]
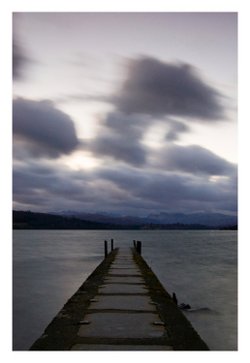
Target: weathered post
[134,243]
[105,248]
[138,247]
[112,244]
[174,297]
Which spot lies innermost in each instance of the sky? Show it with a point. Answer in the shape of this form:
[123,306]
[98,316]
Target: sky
[128,113]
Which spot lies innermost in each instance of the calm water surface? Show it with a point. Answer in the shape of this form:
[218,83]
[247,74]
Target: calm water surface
[199,266]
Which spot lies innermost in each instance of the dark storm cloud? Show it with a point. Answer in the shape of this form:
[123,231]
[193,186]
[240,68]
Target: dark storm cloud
[195,159]
[41,129]
[157,88]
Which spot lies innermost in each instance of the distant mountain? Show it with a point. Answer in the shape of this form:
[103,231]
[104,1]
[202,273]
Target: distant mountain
[106,218]
[204,219]
[208,219]
[30,220]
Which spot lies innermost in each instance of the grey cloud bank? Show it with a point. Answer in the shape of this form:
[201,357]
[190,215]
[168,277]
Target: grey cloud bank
[122,190]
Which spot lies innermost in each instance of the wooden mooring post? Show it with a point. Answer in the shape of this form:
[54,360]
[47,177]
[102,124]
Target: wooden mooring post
[138,247]
[105,248]
[112,244]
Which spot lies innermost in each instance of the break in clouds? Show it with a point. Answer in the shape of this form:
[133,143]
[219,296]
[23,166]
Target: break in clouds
[133,178]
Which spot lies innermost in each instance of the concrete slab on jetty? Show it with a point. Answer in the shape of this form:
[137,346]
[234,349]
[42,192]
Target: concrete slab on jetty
[123,302]
[122,325]
[124,279]
[127,272]
[121,306]
[118,288]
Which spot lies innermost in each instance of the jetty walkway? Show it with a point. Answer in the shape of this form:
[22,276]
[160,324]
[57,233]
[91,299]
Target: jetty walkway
[121,306]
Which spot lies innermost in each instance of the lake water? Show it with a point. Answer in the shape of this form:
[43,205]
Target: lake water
[199,266]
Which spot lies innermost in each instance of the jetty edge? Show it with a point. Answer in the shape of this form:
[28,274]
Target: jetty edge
[123,306]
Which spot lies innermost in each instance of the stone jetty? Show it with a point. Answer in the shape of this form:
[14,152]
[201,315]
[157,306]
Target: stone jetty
[121,306]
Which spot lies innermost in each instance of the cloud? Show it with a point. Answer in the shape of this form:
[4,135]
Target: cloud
[171,191]
[19,60]
[175,128]
[41,129]
[119,149]
[194,159]
[120,139]
[81,97]
[48,186]
[135,179]
[155,92]
[157,88]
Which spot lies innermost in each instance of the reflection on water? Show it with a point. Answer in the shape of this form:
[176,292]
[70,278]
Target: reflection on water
[199,266]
